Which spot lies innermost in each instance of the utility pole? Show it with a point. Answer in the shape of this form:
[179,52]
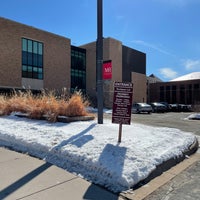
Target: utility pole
[99,61]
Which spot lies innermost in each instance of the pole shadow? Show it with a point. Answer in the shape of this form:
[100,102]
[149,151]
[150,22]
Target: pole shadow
[112,158]
[79,139]
[24,180]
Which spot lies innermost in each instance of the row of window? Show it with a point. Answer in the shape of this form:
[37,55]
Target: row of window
[181,87]
[32,46]
[186,93]
[32,59]
[32,72]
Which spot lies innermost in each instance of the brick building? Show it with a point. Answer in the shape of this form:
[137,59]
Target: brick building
[182,90]
[35,59]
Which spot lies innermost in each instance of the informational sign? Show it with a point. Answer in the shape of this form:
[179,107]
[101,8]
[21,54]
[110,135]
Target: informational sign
[122,103]
[107,70]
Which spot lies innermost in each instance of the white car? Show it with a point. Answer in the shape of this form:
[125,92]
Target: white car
[141,108]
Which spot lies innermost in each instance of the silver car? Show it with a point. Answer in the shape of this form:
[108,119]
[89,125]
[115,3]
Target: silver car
[158,107]
[141,108]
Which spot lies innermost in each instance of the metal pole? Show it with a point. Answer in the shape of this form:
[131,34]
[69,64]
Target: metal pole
[99,62]
[120,133]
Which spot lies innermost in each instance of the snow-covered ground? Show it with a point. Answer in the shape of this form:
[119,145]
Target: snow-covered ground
[92,150]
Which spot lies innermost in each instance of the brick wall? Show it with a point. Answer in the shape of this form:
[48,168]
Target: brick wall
[139,87]
[190,96]
[56,56]
[10,56]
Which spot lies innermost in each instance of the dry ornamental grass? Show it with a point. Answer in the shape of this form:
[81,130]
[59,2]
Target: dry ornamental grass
[45,104]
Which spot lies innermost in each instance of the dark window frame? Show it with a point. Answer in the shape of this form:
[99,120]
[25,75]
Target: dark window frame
[32,58]
[78,69]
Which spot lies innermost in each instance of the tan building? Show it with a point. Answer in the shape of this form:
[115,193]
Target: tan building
[35,59]
[128,65]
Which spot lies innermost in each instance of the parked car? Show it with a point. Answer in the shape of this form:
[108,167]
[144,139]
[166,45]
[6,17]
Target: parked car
[158,107]
[174,107]
[168,107]
[180,108]
[141,108]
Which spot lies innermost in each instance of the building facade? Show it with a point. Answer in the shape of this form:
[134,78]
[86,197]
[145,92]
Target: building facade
[32,58]
[35,59]
[175,92]
[128,65]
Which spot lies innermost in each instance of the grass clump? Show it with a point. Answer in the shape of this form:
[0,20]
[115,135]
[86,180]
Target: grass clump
[76,105]
[46,104]
[4,106]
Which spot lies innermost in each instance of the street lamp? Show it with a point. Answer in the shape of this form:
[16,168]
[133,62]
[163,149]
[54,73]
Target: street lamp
[99,62]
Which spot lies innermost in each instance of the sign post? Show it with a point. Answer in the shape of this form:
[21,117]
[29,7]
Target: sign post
[122,103]
[120,133]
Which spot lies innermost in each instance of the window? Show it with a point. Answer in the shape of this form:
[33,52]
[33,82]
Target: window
[168,94]
[78,68]
[174,92]
[196,92]
[182,94]
[189,94]
[162,96]
[32,59]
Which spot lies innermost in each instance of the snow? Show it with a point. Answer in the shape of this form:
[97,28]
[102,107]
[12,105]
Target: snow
[194,116]
[191,76]
[92,151]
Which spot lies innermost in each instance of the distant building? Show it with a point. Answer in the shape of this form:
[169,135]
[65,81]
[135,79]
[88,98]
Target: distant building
[151,79]
[35,59]
[182,90]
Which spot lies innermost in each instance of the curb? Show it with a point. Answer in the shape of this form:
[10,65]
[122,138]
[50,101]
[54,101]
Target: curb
[159,172]
[74,119]
[63,119]
[169,164]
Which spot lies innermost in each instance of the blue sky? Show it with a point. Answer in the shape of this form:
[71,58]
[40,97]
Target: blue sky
[168,31]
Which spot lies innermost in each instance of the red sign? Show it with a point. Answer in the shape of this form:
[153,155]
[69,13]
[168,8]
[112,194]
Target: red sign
[122,103]
[107,69]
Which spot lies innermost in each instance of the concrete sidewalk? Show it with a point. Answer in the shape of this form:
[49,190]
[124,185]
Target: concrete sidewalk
[27,178]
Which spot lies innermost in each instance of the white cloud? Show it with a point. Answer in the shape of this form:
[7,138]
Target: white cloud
[191,64]
[168,73]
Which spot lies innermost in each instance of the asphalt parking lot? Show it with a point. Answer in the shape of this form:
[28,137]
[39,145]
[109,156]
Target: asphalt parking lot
[169,119]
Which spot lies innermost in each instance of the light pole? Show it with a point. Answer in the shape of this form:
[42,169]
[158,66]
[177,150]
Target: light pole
[99,62]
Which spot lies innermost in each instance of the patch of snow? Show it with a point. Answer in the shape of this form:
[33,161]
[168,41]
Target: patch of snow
[91,109]
[191,76]
[194,116]
[95,110]
[108,111]
[92,151]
